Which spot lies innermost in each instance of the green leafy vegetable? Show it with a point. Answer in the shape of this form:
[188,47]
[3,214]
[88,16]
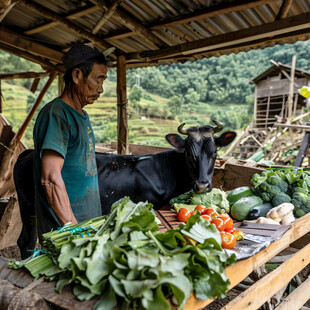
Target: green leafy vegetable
[127,261]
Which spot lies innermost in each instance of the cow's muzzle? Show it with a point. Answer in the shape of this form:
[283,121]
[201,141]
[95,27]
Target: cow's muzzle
[204,187]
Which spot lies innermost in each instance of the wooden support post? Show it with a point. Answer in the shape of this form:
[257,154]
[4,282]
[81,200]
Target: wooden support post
[290,96]
[255,107]
[122,103]
[303,150]
[61,84]
[291,89]
[0,98]
[35,106]
[267,112]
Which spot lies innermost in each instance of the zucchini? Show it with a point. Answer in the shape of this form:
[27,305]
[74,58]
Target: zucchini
[239,193]
[241,208]
[260,211]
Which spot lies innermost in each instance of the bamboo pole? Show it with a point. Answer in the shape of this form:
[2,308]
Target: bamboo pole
[122,103]
[7,163]
[290,96]
[35,106]
[105,16]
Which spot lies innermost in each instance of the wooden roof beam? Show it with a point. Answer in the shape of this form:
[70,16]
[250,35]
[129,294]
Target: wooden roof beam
[19,41]
[44,63]
[5,7]
[58,18]
[70,15]
[134,25]
[257,44]
[284,26]
[106,15]
[284,9]
[23,75]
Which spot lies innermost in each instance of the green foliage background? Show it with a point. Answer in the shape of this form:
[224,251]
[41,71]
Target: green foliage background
[161,97]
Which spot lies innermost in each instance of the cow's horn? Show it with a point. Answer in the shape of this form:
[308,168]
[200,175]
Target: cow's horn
[182,130]
[219,126]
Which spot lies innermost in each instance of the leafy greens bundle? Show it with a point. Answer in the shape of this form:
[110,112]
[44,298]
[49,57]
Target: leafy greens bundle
[128,262]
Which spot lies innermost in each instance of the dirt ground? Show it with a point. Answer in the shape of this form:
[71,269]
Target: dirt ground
[11,252]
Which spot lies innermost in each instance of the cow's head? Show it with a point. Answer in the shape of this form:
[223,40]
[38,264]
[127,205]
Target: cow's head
[200,148]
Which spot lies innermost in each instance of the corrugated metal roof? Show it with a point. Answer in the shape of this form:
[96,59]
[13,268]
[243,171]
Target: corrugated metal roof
[153,32]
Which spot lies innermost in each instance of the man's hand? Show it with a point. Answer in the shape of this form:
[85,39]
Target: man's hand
[55,189]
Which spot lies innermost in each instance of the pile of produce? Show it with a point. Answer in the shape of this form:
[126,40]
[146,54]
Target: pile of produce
[222,221]
[126,261]
[212,207]
[215,199]
[275,196]
[284,186]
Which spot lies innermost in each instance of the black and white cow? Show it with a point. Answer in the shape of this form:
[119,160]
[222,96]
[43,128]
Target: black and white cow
[155,178]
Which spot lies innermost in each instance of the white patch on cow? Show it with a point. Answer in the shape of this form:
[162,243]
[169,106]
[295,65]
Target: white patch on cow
[198,136]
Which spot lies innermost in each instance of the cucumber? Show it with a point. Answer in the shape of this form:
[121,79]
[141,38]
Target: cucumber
[239,193]
[260,211]
[241,208]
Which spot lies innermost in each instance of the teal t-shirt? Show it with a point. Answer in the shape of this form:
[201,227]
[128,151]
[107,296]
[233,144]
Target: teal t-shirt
[61,128]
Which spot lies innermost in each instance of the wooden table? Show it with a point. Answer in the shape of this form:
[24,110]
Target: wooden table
[255,296]
[295,238]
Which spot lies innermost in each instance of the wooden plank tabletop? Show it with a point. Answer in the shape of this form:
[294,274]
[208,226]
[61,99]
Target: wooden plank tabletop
[255,296]
[242,269]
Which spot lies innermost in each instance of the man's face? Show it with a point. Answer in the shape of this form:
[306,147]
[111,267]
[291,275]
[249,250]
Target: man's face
[89,89]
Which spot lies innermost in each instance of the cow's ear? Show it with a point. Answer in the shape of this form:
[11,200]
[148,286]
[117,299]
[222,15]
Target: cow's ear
[176,141]
[225,138]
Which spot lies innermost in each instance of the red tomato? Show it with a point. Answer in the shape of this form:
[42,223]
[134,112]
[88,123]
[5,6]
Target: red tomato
[201,208]
[206,217]
[228,240]
[219,223]
[228,222]
[211,212]
[230,230]
[183,215]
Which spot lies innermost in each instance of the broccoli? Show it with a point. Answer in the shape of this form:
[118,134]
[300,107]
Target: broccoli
[301,201]
[279,182]
[280,198]
[267,191]
[300,190]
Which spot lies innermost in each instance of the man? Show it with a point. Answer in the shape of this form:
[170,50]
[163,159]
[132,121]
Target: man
[65,171]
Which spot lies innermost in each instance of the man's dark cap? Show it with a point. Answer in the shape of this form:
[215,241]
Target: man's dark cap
[83,52]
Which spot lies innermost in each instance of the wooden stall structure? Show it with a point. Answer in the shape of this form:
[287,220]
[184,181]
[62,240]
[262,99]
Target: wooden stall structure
[272,91]
[145,33]
[277,103]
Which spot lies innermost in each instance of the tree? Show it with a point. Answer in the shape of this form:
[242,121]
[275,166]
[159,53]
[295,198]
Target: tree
[135,94]
[175,105]
[192,97]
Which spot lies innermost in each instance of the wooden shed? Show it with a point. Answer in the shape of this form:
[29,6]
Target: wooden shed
[272,94]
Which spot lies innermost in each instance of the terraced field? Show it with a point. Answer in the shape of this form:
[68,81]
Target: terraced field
[143,128]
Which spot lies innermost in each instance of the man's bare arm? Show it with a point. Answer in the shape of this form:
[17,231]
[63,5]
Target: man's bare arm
[55,190]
